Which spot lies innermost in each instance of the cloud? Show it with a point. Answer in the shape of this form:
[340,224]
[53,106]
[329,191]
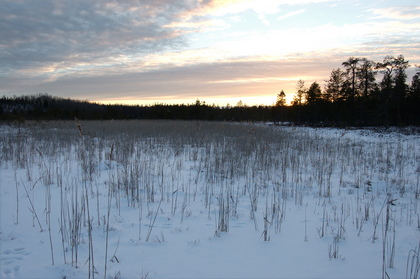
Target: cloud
[184,76]
[294,13]
[261,8]
[56,38]
[199,25]
[222,7]
[320,38]
[44,32]
[400,13]
[238,78]
[141,49]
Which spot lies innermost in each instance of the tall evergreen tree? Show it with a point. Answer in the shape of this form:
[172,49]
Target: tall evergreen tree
[335,86]
[393,87]
[413,100]
[415,84]
[313,98]
[300,93]
[313,94]
[401,88]
[281,99]
[366,73]
[351,68]
[298,99]
[386,68]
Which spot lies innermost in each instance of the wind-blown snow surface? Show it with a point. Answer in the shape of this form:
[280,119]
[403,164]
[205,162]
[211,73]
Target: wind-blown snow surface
[154,199]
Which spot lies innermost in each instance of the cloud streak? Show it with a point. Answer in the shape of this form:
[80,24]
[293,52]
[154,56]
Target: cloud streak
[400,13]
[294,13]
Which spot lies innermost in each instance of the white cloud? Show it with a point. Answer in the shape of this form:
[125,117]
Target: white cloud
[294,13]
[400,13]
[199,26]
[261,7]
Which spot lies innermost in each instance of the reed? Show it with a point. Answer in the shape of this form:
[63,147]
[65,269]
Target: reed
[223,172]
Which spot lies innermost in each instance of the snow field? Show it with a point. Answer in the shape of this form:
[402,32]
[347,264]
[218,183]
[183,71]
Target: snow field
[169,199]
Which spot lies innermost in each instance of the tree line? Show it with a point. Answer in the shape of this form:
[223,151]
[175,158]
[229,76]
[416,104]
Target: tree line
[46,107]
[353,96]
[361,93]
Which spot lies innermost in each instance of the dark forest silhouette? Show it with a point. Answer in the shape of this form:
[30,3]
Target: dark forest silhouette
[362,93]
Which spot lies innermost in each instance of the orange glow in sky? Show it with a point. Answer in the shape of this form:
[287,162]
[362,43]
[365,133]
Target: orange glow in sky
[174,52]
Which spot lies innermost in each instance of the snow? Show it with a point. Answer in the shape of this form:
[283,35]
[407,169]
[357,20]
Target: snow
[318,195]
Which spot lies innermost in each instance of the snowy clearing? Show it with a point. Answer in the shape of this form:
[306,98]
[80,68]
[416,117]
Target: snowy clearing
[175,199]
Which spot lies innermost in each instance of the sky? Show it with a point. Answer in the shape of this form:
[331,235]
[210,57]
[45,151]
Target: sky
[218,51]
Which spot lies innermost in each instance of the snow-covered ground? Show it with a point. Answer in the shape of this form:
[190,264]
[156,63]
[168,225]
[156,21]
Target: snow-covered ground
[173,199]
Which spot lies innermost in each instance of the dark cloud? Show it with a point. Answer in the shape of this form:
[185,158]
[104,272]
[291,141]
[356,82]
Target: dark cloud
[36,33]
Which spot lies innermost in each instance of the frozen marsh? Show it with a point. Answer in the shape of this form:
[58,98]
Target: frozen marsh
[175,199]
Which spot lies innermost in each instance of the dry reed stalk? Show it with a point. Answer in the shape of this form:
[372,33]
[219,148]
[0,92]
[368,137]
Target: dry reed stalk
[32,209]
[79,126]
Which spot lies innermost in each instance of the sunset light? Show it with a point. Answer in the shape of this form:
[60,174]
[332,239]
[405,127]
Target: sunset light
[219,52]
